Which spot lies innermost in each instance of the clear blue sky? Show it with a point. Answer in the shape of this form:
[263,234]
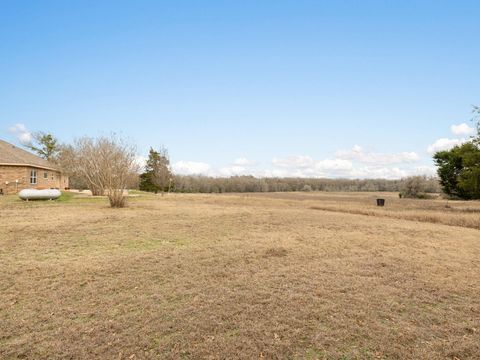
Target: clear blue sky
[273,82]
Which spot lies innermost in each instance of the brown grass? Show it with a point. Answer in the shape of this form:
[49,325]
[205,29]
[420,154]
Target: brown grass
[454,213]
[239,276]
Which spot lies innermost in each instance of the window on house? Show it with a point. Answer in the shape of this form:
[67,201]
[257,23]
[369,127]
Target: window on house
[45,175]
[33,177]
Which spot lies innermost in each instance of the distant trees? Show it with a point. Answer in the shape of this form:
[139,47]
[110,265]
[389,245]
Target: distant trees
[306,188]
[459,168]
[44,145]
[415,187]
[107,166]
[157,175]
[205,184]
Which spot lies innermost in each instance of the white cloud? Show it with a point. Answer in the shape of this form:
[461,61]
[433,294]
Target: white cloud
[234,170]
[334,164]
[351,164]
[340,168]
[243,162]
[327,168]
[391,173]
[462,129]
[306,166]
[424,170]
[444,144]
[357,153]
[368,172]
[21,132]
[191,168]
[299,161]
[140,161]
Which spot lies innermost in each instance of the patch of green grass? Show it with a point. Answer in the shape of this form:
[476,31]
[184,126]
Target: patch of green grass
[65,197]
[314,354]
[139,192]
[92,199]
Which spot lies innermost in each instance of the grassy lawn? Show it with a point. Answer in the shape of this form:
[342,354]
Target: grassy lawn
[251,276]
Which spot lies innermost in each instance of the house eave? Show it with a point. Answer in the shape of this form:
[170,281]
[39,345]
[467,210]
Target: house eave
[32,166]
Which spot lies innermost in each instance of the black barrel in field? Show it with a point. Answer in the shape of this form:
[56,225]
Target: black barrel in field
[380,202]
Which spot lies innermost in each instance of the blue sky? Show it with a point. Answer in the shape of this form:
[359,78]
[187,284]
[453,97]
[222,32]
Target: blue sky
[307,88]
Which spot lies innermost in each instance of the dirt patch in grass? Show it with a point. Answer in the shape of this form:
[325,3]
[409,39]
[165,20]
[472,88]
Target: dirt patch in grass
[235,276]
[276,252]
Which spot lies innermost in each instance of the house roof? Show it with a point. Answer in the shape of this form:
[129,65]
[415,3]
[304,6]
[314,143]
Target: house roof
[12,155]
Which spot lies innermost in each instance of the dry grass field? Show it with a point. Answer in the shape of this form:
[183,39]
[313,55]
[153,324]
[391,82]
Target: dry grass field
[250,276]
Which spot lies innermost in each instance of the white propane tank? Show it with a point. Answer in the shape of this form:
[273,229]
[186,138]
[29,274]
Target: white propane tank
[34,194]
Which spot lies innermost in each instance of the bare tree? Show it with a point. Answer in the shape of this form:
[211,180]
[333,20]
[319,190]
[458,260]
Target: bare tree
[162,174]
[106,164]
[66,160]
[417,187]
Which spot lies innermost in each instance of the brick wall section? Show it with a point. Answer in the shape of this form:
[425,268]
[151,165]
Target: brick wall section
[9,175]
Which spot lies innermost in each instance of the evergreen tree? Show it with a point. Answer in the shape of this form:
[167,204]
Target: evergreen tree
[45,145]
[157,175]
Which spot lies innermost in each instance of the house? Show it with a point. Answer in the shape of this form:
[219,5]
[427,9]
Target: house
[20,169]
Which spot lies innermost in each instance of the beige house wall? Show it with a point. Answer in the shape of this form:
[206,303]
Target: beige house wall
[16,178]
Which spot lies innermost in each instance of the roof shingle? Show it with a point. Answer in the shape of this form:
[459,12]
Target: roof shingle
[12,155]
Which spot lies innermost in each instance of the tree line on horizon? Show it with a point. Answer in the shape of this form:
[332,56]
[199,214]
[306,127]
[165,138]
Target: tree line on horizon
[240,184]
[107,165]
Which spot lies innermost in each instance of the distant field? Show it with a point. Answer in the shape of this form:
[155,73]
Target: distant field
[250,276]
